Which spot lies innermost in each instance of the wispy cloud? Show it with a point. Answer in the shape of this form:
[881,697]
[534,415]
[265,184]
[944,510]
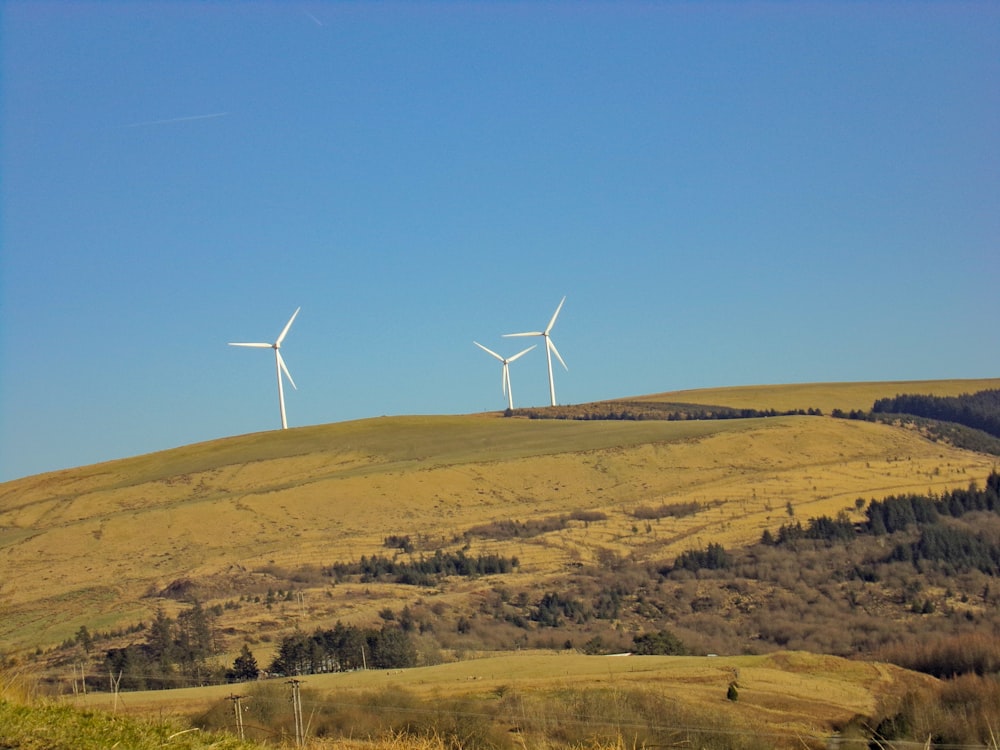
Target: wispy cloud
[172,120]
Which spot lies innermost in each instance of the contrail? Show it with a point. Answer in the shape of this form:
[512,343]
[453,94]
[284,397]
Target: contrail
[177,119]
[316,20]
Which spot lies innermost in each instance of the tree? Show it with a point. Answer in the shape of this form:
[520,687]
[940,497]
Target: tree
[133,664]
[391,649]
[84,638]
[193,642]
[194,634]
[160,641]
[292,658]
[662,642]
[245,666]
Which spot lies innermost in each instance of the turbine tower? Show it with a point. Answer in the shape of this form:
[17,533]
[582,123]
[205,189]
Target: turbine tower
[550,348]
[506,370]
[279,364]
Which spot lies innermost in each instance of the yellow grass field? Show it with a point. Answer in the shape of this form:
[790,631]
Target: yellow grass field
[95,546]
[87,546]
[788,695]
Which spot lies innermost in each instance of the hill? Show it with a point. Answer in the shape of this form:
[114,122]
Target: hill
[255,528]
[92,546]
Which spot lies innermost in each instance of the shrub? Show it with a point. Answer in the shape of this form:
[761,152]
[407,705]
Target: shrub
[662,642]
[675,510]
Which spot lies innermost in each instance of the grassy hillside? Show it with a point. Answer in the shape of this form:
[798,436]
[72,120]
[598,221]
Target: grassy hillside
[823,396]
[94,546]
[248,526]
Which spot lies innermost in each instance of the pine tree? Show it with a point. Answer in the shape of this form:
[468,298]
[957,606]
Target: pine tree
[84,638]
[160,641]
[245,666]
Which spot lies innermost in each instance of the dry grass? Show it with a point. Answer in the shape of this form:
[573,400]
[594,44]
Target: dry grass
[86,546]
[18,686]
[823,396]
[790,694]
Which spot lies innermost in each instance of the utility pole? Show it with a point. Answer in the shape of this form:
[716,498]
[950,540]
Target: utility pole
[238,708]
[297,711]
[115,682]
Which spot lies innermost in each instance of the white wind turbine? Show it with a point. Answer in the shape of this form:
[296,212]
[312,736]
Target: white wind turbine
[550,348]
[279,364]
[506,370]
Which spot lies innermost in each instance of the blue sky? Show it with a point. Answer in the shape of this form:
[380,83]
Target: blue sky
[726,193]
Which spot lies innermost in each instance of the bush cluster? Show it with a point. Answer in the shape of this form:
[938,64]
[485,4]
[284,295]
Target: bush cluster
[422,571]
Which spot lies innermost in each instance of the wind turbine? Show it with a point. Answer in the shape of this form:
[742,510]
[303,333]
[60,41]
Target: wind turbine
[506,370]
[550,348]
[279,364]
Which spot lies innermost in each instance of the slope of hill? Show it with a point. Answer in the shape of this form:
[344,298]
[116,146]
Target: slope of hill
[823,396]
[785,698]
[97,546]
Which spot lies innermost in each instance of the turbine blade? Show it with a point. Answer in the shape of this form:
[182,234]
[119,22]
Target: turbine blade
[488,351]
[521,354]
[506,380]
[529,333]
[288,325]
[555,315]
[255,346]
[284,369]
[555,351]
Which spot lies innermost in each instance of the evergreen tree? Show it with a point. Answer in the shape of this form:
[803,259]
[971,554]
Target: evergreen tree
[160,641]
[245,666]
[391,649]
[84,638]
[194,636]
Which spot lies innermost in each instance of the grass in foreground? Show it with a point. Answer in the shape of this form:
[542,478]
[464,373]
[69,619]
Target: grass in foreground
[54,727]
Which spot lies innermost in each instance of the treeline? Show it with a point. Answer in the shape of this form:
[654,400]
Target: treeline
[650,410]
[175,653]
[971,422]
[557,609]
[980,411]
[824,528]
[713,557]
[423,571]
[957,548]
[948,655]
[343,648]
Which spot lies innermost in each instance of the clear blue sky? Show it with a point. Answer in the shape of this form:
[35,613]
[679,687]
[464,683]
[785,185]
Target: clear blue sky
[726,193]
